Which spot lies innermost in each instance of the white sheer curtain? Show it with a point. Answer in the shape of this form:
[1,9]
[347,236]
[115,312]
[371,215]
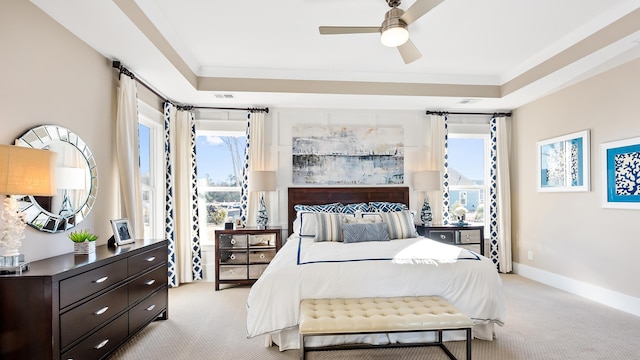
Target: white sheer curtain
[255,161]
[127,154]
[437,156]
[185,263]
[500,202]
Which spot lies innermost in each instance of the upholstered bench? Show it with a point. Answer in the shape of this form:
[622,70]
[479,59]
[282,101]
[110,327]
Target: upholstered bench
[325,317]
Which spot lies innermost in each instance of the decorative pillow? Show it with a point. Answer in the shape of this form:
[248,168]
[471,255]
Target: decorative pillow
[365,232]
[370,217]
[383,206]
[400,224]
[328,227]
[331,208]
[305,223]
[353,208]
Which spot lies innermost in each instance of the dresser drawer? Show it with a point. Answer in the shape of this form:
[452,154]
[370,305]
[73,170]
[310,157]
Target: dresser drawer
[80,286]
[80,320]
[147,260]
[444,236]
[232,272]
[256,270]
[469,236]
[261,256]
[262,240]
[101,342]
[232,241]
[147,310]
[233,256]
[146,284]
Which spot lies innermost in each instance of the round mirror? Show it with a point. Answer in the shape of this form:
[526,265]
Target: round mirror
[76,180]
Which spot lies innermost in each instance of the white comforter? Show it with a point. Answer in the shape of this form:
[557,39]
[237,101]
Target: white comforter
[408,267]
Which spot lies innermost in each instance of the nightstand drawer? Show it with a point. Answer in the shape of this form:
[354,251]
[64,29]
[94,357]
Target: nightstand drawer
[233,257]
[469,236]
[232,241]
[256,270]
[261,256]
[232,272]
[262,240]
[444,236]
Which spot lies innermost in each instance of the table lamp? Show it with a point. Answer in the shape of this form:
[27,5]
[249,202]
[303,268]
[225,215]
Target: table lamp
[23,171]
[426,181]
[262,181]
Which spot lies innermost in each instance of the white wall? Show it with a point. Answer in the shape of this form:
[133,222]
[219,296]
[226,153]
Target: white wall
[577,244]
[49,76]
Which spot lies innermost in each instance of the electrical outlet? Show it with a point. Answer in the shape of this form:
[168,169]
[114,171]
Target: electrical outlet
[530,255]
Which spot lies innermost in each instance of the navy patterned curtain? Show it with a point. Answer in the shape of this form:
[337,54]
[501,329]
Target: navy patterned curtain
[182,232]
[446,199]
[244,189]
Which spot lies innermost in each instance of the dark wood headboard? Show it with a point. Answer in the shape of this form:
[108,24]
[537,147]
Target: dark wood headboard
[345,195]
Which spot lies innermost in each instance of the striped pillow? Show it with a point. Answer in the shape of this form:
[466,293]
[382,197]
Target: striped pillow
[328,227]
[400,224]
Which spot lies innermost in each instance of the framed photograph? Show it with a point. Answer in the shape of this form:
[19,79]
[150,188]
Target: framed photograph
[563,163]
[122,231]
[621,174]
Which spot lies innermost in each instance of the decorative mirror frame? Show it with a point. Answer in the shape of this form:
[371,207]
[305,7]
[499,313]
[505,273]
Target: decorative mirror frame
[42,137]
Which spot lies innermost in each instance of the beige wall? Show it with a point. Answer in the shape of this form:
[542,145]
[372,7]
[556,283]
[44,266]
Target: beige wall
[49,76]
[570,234]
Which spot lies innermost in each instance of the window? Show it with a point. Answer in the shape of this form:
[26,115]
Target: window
[220,160]
[469,175]
[151,176]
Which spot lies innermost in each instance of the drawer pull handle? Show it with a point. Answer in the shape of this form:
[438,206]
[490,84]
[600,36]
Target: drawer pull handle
[101,345]
[102,311]
[101,280]
[443,237]
[232,257]
[233,241]
[262,256]
[150,308]
[150,282]
[150,259]
[467,236]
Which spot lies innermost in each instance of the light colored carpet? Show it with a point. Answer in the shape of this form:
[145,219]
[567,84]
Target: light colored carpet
[542,323]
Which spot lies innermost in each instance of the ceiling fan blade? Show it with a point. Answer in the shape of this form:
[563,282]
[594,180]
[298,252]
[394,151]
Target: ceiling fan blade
[333,30]
[409,52]
[419,8]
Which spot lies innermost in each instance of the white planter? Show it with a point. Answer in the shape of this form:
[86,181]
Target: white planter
[84,248]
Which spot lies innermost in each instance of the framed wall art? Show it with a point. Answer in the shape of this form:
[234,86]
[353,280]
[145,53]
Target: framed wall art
[563,163]
[621,173]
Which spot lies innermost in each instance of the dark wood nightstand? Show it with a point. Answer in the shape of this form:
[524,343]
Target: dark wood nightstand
[243,254]
[455,234]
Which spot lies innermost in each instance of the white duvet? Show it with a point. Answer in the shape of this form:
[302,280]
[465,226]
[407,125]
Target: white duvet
[407,267]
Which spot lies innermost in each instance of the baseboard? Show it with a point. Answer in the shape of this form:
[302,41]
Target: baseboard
[604,296]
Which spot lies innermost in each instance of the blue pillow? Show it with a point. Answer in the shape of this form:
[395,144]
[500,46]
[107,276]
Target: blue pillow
[352,233]
[383,206]
[328,208]
[353,208]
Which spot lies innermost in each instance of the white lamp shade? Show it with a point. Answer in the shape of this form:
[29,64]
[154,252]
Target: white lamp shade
[427,180]
[70,178]
[262,181]
[27,171]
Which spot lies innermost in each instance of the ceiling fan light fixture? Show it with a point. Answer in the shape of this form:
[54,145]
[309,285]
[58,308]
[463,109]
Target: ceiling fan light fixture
[394,36]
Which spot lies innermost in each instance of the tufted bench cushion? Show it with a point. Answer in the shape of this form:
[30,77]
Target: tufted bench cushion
[381,315]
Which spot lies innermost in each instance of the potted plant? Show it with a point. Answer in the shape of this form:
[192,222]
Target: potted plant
[84,242]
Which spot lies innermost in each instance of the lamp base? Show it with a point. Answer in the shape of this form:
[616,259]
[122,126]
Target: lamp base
[13,264]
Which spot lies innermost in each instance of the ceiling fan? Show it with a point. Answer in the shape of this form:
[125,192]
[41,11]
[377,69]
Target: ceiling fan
[393,30]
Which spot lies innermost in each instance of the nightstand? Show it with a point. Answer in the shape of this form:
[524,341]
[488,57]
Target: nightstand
[243,254]
[455,235]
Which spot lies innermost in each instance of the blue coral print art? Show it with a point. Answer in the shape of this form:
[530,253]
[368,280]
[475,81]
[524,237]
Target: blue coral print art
[622,173]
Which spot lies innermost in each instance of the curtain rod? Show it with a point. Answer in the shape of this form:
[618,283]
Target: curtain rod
[123,70]
[442,113]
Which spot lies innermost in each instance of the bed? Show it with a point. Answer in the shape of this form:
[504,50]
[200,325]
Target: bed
[316,263]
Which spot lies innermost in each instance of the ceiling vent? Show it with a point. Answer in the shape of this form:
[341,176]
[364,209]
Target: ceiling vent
[468,101]
[223,96]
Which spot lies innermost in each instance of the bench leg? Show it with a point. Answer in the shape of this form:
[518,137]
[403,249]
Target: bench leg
[469,339]
[301,347]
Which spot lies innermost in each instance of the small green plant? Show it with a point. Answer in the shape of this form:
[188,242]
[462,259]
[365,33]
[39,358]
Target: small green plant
[82,236]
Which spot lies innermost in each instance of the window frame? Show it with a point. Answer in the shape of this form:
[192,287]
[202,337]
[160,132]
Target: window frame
[153,120]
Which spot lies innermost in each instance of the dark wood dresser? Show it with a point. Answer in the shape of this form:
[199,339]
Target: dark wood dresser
[83,306]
